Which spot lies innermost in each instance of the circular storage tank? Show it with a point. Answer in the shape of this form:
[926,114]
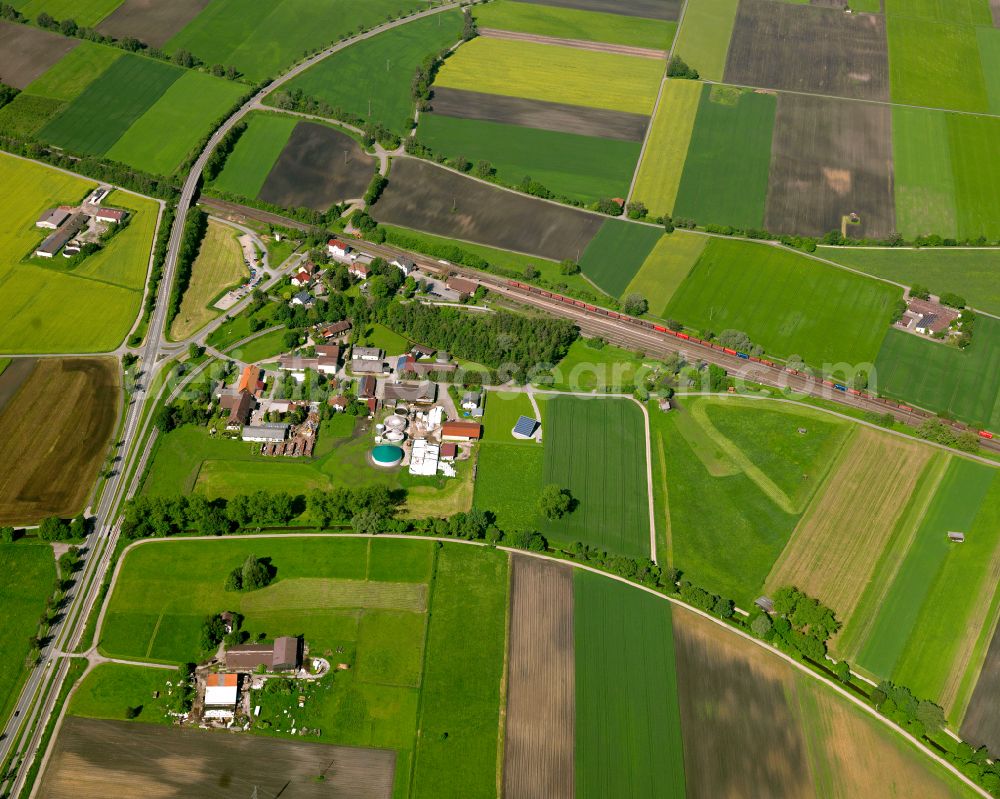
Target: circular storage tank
[394,435]
[395,423]
[387,455]
[379,428]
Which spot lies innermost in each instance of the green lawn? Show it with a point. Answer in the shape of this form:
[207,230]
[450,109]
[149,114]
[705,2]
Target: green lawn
[555,74]
[189,109]
[75,71]
[263,39]
[595,448]
[975,162]
[925,187]
[971,273]
[668,263]
[238,328]
[111,688]
[964,12]
[47,308]
[667,146]
[502,410]
[628,725]
[262,347]
[586,368]
[703,40]
[457,745]
[29,571]
[571,23]
[787,303]
[85,12]
[989,54]
[616,253]
[723,532]
[379,70]
[108,107]
[730,146]
[390,342]
[581,168]
[508,480]
[939,377]
[935,64]
[249,164]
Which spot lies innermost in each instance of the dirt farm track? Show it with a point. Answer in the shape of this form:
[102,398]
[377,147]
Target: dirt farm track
[59,414]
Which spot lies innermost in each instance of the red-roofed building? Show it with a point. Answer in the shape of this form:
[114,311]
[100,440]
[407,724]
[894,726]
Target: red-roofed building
[302,278]
[461,431]
[112,215]
[449,451]
[250,380]
[338,249]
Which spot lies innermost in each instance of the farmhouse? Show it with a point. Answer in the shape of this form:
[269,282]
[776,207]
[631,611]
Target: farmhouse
[471,400]
[405,265]
[338,403]
[464,288]
[407,363]
[328,351]
[335,330]
[927,317]
[113,216]
[423,394]
[303,298]
[52,219]
[338,249]
[56,241]
[359,270]
[302,278]
[366,387]
[421,351]
[461,431]
[360,367]
[221,690]
[250,380]
[284,654]
[240,407]
[366,353]
[270,433]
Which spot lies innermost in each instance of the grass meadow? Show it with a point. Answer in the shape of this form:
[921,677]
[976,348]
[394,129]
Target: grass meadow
[667,146]
[703,38]
[972,273]
[457,746]
[218,266]
[47,308]
[75,71]
[248,165]
[583,168]
[924,185]
[187,109]
[976,168]
[508,482]
[371,79]
[85,12]
[668,263]
[571,23]
[628,725]
[616,253]
[110,688]
[27,114]
[588,368]
[30,572]
[730,146]
[939,377]
[595,448]
[989,54]
[108,107]
[787,303]
[555,74]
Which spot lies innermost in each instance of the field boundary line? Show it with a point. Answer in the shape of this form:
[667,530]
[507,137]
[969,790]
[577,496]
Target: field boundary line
[672,599]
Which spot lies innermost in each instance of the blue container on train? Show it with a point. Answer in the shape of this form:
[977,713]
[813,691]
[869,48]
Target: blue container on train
[743,355]
[839,387]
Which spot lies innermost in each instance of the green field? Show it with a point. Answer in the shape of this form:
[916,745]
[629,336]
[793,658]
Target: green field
[189,109]
[110,688]
[108,107]
[47,308]
[667,146]
[507,475]
[457,745]
[250,162]
[570,23]
[972,273]
[616,253]
[582,168]
[730,146]
[703,40]
[935,64]
[262,39]
[355,81]
[596,449]
[628,726]
[75,71]
[27,114]
[976,168]
[219,265]
[85,12]
[263,347]
[989,54]
[587,368]
[787,303]
[965,12]
[555,74]
[925,187]
[939,377]
[29,571]
[665,268]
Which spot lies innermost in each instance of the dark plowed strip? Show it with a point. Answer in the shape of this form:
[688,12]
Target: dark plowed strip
[650,9]
[13,377]
[541,701]
[579,44]
[151,21]
[995,10]
[981,725]
[427,197]
[539,114]
[26,52]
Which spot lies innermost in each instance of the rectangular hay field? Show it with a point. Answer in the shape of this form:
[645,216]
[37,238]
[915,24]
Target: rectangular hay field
[616,253]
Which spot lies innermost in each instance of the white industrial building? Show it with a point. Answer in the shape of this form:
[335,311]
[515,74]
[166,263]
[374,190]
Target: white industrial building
[221,691]
[269,433]
[424,458]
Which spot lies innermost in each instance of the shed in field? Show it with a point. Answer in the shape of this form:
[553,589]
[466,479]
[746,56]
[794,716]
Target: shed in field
[956,538]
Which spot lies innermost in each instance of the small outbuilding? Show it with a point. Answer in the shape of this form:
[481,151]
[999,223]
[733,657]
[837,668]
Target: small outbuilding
[221,690]
[525,427]
[956,538]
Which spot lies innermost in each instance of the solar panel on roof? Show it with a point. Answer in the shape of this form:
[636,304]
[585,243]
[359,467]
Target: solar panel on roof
[525,426]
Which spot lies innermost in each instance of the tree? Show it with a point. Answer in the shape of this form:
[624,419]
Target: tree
[843,670]
[195,351]
[255,573]
[132,711]
[930,715]
[79,527]
[554,502]
[7,535]
[668,224]
[367,522]
[635,304]
[920,292]
[761,625]
[53,529]
[569,267]
[485,170]
[678,68]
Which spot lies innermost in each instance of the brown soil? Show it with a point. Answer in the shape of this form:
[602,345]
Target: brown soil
[318,168]
[981,724]
[151,21]
[55,433]
[26,52]
[96,759]
[13,377]
[579,44]
[541,703]
[742,735]
[830,158]
[809,49]
[995,10]
[559,117]
[435,200]
[651,9]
